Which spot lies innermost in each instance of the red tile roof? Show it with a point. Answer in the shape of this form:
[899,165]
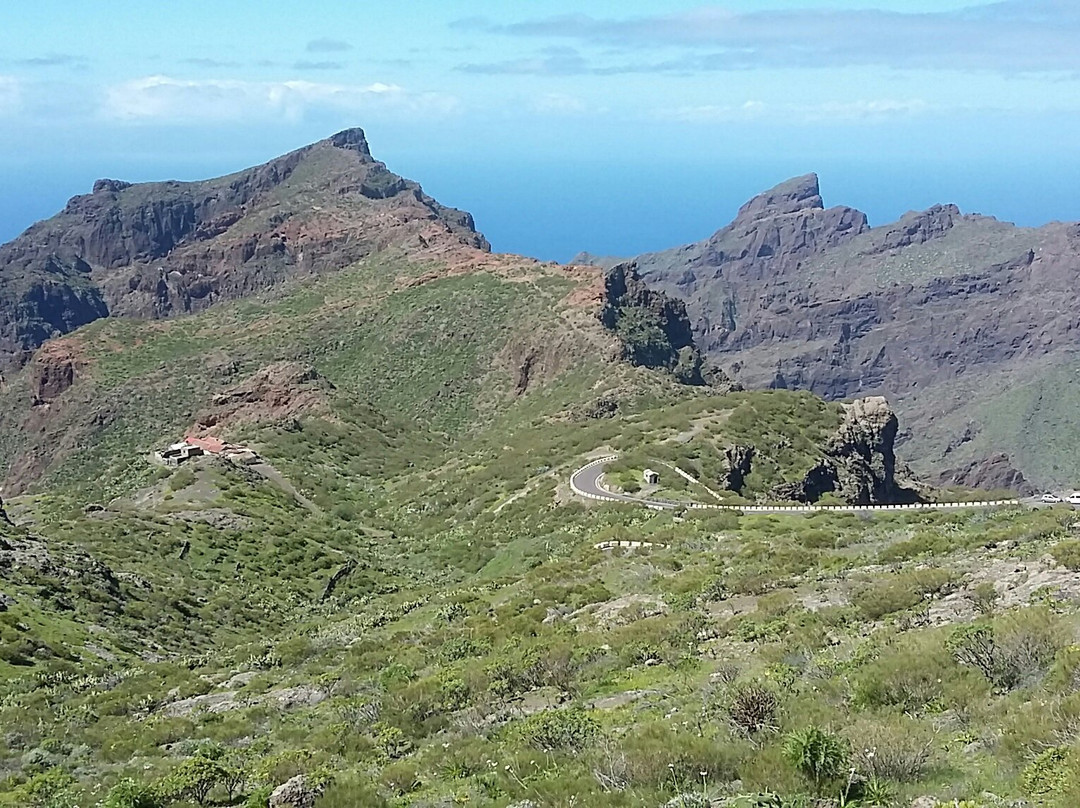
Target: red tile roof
[208,443]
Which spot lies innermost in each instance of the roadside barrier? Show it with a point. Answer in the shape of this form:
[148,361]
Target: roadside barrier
[658,505]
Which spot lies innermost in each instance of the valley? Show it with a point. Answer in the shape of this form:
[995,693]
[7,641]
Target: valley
[436,573]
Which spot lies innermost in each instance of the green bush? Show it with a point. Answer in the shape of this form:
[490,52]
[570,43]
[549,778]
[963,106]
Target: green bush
[1014,651]
[181,479]
[901,591]
[897,748]
[559,730]
[1067,554]
[819,755]
[131,794]
[1049,774]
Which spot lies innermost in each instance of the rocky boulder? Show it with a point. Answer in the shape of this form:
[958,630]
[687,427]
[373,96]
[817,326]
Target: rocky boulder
[859,462]
[302,791]
[864,452]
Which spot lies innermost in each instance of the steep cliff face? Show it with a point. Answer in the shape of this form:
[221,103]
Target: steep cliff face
[939,311]
[994,473]
[39,301]
[157,249]
[652,327]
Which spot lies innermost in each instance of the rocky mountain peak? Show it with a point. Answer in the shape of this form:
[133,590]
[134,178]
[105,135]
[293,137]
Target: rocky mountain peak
[165,248]
[792,196]
[918,227]
[107,186]
[353,139]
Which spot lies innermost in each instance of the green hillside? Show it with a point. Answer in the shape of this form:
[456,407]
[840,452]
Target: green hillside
[404,603]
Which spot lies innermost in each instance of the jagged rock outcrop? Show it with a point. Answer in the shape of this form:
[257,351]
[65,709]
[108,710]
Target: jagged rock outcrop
[22,552]
[864,453]
[994,473]
[918,227]
[157,249]
[859,463]
[52,371]
[41,300]
[738,463]
[278,392]
[652,327]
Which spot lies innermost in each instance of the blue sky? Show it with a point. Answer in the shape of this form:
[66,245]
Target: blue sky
[614,127]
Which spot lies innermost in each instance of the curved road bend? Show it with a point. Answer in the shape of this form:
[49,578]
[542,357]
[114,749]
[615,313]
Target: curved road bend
[586,482]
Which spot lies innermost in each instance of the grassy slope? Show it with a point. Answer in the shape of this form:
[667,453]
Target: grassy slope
[449,665]
[1026,413]
[975,242]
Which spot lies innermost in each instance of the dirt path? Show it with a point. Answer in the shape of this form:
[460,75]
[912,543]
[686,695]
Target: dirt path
[277,478]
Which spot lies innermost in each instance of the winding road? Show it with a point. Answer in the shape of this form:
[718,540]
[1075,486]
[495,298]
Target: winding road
[587,482]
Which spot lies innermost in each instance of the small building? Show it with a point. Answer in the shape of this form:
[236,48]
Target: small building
[178,453]
[651,477]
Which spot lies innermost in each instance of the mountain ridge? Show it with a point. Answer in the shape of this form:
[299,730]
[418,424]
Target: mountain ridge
[158,249]
[793,294]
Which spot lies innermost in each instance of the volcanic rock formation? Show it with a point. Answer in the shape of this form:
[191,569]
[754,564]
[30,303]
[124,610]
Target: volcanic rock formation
[157,249]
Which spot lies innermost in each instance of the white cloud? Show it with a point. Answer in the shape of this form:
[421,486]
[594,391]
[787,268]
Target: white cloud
[163,98]
[10,95]
[839,111]
[559,104]
[1008,36]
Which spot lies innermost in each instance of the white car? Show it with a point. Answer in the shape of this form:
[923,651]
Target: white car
[1073,498]
[1050,498]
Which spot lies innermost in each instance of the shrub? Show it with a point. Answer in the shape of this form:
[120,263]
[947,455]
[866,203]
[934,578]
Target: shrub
[1049,774]
[1013,652]
[974,645]
[130,794]
[391,741]
[194,779]
[259,798]
[753,708]
[400,778]
[559,730]
[984,597]
[896,749]
[902,591]
[181,479]
[654,755]
[819,755]
[1067,554]
[912,677]
[1065,674]
[49,789]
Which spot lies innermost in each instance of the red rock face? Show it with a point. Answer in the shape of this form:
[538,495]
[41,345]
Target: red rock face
[278,392]
[52,371]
